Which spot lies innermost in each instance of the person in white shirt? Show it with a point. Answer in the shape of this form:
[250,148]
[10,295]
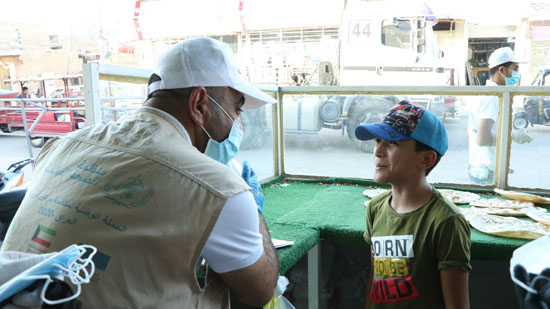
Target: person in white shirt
[482,126]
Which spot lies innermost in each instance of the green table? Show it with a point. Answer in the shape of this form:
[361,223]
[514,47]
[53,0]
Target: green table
[337,211]
[333,210]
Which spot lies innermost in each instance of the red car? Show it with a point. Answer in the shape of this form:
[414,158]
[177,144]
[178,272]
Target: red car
[51,124]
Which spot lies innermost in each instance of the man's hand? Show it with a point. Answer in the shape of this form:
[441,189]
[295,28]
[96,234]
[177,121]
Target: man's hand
[249,176]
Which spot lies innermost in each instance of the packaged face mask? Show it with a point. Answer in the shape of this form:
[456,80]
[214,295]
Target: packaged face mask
[67,263]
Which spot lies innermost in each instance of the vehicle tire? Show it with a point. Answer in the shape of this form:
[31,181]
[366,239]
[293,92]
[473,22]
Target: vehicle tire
[38,142]
[520,122]
[369,111]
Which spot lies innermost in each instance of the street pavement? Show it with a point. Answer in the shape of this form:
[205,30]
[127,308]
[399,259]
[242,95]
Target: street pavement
[329,154]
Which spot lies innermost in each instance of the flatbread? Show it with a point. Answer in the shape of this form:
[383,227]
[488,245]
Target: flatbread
[374,192]
[459,197]
[543,218]
[469,212]
[507,212]
[511,212]
[509,227]
[522,196]
[501,203]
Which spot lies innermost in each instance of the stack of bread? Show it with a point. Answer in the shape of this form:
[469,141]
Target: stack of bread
[496,215]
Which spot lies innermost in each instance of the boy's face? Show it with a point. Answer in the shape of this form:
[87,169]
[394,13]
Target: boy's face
[396,162]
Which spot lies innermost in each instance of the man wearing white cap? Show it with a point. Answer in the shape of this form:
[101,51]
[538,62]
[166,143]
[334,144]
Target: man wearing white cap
[150,194]
[482,127]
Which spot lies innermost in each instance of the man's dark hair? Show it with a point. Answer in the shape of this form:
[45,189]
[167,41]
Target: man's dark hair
[295,78]
[418,147]
[494,70]
[24,88]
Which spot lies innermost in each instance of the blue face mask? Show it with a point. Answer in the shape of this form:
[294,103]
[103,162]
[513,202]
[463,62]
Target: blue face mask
[224,151]
[512,81]
[67,263]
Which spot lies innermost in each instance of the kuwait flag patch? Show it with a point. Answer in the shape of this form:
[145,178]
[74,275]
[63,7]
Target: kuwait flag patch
[41,234]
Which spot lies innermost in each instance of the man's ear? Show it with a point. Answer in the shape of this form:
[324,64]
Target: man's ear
[197,105]
[427,159]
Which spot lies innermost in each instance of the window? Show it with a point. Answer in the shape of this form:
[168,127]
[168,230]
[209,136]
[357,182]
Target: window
[396,33]
[257,144]
[54,42]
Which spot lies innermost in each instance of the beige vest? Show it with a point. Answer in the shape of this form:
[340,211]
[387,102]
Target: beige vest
[140,193]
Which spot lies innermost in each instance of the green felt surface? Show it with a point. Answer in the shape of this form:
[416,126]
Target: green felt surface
[280,200]
[336,210]
[304,239]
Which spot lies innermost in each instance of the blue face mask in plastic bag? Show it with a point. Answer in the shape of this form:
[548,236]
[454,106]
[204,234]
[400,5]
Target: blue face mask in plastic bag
[67,263]
[224,151]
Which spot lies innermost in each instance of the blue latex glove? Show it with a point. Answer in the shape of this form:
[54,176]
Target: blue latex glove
[249,176]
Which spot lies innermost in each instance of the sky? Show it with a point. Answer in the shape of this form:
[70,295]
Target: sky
[186,17]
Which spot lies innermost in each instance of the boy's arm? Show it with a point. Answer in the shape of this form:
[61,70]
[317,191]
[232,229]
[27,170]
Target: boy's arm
[454,283]
[369,282]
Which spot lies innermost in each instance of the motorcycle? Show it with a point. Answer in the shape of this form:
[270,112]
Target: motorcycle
[9,203]
[12,192]
[536,109]
[14,175]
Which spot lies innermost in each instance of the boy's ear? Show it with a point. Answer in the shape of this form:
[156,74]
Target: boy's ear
[427,159]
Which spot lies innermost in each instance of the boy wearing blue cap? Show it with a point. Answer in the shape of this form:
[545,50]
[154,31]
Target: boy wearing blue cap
[420,241]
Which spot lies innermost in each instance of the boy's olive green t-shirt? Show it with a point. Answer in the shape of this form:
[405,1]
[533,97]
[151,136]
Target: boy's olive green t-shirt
[410,250]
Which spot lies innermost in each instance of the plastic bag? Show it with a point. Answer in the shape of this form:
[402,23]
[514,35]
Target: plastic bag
[530,272]
[521,137]
[278,301]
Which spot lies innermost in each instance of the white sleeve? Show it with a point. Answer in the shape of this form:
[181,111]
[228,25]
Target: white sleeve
[488,108]
[235,241]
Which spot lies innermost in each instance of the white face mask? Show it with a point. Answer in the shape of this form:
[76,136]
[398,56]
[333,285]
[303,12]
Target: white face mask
[225,150]
[67,263]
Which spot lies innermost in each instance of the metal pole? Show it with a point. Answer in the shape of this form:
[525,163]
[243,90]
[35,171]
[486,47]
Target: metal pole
[90,75]
[27,133]
[503,143]
[313,273]
[281,141]
[42,113]
[275,136]
[69,51]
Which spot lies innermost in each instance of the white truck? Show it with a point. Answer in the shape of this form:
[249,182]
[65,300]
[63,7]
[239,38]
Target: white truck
[381,43]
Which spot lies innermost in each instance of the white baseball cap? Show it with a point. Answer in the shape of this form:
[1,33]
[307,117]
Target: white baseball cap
[204,62]
[503,55]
